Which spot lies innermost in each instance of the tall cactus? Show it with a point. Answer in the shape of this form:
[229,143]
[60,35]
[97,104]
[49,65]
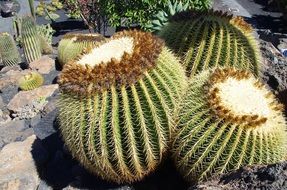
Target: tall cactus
[73,44]
[8,50]
[116,104]
[30,40]
[210,39]
[228,119]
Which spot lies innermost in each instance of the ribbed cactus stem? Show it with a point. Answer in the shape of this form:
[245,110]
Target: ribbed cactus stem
[116,105]
[30,40]
[31,81]
[228,119]
[8,50]
[72,45]
[211,39]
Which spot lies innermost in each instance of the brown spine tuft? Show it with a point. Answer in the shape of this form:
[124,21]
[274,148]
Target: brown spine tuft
[79,79]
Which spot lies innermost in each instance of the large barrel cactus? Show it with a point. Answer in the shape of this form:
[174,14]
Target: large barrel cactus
[116,105]
[8,50]
[30,40]
[211,39]
[71,45]
[228,119]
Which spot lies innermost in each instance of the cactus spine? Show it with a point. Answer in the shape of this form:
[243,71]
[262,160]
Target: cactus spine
[211,39]
[116,105]
[8,50]
[72,45]
[31,81]
[228,119]
[30,40]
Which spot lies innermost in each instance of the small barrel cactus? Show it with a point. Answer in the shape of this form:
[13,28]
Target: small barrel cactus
[31,81]
[228,119]
[8,50]
[116,105]
[211,39]
[30,40]
[72,45]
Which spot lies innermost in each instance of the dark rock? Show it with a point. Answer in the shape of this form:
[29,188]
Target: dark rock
[14,131]
[270,177]
[274,68]
[35,120]
[44,127]
[8,92]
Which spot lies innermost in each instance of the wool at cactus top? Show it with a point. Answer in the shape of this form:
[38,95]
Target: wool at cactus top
[116,111]
[210,39]
[228,119]
[73,44]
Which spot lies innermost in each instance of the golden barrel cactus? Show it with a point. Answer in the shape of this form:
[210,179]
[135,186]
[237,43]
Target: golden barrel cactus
[116,105]
[228,119]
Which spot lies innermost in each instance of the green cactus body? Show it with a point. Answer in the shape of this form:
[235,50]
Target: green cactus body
[45,33]
[30,40]
[72,45]
[8,50]
[116,105]
[211,39]
[228,119]
[31,81]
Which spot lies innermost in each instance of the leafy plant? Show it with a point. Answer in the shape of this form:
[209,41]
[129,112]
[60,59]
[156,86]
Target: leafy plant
[116,105]
[161,18]
[210,39]
[228,119]
[48,10]
[45,33]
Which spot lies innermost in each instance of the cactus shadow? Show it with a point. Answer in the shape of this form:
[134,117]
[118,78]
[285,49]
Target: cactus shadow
[58,169]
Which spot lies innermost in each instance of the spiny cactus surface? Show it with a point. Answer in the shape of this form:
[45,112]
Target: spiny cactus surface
[228,119]
[8,50]
[116,105]
[211,39]
[72,45]
[31,81]
[30,40]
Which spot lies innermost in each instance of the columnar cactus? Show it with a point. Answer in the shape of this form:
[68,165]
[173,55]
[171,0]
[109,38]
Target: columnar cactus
[31,81]
[228,119]
[116,105]
[72,45]
[30,40]
[8,50]
[211,39]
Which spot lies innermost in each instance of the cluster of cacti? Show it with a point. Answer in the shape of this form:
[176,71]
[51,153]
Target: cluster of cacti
[31,81]
[30,40]
[71,45]
[116,105]
[211,39]
[228,119]
[8,50]
[45,33]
